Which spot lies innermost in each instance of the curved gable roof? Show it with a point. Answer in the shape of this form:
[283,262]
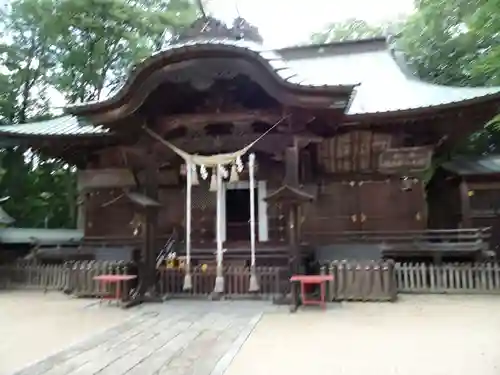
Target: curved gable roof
[267,60]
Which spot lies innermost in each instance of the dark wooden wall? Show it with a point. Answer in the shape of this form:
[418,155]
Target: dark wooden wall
[480,202]
[342,172]
[366,205]
[108,215]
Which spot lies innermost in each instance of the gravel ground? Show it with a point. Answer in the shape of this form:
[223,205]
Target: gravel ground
[424,335]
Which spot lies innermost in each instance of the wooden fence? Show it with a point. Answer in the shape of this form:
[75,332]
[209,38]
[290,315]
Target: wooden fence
[78,278]
[75,277]
[236,281]
[355,281]
[459,278]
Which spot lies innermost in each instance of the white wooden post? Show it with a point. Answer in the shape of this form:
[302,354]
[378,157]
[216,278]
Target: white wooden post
[254,285]
[219,280]
[188,283]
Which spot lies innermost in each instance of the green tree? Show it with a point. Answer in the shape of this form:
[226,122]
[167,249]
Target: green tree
[83,49]
[439,44]
[452,42]
[25,59]
[350,29]
[97,41]
[457,43]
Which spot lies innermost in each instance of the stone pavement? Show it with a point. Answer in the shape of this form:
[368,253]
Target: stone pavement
[175,338]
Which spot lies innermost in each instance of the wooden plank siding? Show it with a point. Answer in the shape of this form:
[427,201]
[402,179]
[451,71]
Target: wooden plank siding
[363,206]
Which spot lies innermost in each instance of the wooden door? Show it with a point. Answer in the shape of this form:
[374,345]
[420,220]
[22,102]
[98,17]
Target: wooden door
[412,213]
[332,213]
[375,206]
[383,206]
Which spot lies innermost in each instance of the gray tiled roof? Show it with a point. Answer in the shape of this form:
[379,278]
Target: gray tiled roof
[60,126]
[476,166]
[383,86]
[40,236]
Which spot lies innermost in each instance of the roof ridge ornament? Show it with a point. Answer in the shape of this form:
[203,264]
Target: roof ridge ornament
[208,27]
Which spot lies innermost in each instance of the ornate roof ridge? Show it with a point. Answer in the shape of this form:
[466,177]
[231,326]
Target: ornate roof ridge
[209,27]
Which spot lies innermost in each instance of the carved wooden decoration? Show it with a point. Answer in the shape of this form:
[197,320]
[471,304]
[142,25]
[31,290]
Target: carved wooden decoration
[202,79]
[220,102]
[105,178]
[210,116]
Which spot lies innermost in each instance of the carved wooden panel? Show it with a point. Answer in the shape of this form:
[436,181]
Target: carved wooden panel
[354,151]
[105,178]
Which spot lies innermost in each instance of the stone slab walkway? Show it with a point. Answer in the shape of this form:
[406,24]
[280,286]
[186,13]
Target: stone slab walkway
[175,338]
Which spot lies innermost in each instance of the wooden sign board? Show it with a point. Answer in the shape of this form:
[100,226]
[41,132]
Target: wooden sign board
[105,178]
[407,159]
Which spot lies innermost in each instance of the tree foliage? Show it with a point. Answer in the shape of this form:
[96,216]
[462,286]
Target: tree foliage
[102,39]
[81,49]
[350,29]
[452,42]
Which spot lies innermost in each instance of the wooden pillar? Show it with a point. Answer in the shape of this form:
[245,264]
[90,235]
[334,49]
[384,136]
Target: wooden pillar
[465,205]
[149,248]
[80,204]
[292,180]
[292,166]
[80,211]
[291,197]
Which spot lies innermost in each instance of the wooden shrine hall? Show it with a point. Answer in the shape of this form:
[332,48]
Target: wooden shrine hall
[339,137]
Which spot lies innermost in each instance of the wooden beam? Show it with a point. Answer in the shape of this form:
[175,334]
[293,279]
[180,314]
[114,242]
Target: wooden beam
[199,119]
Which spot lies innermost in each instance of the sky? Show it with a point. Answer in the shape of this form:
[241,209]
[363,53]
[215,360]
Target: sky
[289,22]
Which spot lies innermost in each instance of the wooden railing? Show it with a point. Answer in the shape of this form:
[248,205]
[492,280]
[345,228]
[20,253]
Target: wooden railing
[415,236]
[460,278]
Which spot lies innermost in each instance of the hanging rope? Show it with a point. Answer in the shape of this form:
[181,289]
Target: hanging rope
[211,160]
